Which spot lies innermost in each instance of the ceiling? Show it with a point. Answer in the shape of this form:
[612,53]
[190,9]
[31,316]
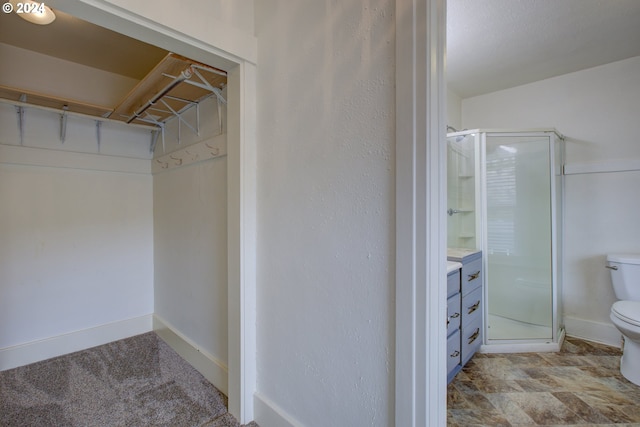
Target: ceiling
[498,44]
[491,44]
[79,67]
[81,42]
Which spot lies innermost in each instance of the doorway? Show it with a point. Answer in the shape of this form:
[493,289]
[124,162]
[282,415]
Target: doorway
[236,56]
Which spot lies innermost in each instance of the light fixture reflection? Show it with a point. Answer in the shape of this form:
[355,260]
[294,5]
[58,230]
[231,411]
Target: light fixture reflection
[34,12]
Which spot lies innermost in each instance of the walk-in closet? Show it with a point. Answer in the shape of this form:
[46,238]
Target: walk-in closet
[113,195]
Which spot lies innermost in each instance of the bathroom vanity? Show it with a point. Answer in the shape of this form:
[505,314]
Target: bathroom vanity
[464,307]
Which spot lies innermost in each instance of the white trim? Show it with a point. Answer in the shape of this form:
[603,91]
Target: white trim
[35,351]
[420,389]
[212,368]
[241,226]
[237,58]
[31,156]
[271,414]
[604,333]
[620,165]
[231,44]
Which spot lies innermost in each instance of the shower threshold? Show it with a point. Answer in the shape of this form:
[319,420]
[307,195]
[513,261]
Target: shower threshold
[528,337]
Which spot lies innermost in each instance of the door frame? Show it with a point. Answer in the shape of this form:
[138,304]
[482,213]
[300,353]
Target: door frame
[235,52]
[420,394]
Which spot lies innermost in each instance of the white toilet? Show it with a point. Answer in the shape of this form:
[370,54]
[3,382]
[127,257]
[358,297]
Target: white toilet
[625,313]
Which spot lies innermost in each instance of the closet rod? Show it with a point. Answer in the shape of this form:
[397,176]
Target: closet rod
[71,113]
[184,75]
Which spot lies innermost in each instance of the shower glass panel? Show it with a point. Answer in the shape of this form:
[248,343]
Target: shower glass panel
[519,243]
[504,197]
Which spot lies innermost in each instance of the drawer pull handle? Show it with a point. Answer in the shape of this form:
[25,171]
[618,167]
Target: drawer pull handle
[454,316]
[475,335]
[455,354]
[473,276]
[474,307]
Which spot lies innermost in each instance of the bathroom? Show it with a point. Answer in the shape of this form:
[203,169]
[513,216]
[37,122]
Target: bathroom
[601,171]
[595,109]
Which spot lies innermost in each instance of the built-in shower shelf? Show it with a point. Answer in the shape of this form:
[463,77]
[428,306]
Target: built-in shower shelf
[466,176]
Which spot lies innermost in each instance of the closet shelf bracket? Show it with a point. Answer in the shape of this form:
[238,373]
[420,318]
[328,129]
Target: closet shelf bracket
[63,124]
[98,136]
[20,112]
[154,140]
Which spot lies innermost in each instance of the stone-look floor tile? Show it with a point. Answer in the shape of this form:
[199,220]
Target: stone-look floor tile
[614,413]
[532,385]
[574,379]
[580,385]
[606,397]
[560,359]
[598,371]
[544,409]
[529,360]
[470,417]
[632,411]
[455,399]
[511,410]
[587,348]
[489,385]
[477,401]
[577,405]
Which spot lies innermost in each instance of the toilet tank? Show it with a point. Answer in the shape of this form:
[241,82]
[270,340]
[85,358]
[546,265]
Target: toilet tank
[625,275]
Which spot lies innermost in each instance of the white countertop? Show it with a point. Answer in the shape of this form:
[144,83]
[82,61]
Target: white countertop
[453,266]
[460,252]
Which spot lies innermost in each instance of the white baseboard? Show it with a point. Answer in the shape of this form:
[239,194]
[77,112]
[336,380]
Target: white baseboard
[268,414]
[604,333]
[213,369]
[35,351]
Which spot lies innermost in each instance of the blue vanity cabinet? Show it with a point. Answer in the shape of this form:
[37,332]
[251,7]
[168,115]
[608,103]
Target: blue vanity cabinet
[471,304]
[454,318]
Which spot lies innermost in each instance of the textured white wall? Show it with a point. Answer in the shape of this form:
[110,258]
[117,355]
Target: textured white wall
[597,110]
[454,110]
[326,210]
[190,255]
[76,250]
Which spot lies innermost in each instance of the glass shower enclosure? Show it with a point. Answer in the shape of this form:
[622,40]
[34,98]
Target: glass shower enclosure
[504,194]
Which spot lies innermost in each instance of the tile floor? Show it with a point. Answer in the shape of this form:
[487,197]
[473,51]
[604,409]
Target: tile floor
[580,385]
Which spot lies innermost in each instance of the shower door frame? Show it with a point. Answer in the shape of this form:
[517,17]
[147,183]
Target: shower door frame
[557,331]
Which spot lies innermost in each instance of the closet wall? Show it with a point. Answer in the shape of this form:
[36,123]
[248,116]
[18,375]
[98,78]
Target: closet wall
[97,238]
[190,239]
[76,252]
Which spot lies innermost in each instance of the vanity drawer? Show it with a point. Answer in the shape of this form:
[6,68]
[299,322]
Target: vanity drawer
[472,307]
[453,283]
[453,313]
[471,340]
[453,351]
[471,277]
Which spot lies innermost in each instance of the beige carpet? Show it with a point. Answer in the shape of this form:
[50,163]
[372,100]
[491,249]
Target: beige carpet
[139,381]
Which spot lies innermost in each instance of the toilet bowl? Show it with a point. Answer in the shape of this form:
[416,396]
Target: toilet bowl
[625,316]
[625,313]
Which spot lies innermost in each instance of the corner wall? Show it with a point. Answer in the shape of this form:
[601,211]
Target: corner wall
[190,244]
[597,111]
